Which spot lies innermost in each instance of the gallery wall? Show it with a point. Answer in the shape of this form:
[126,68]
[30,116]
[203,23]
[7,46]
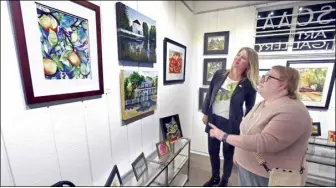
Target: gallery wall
[241,23]
[80,140]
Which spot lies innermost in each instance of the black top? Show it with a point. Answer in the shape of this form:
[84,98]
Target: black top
[244,92]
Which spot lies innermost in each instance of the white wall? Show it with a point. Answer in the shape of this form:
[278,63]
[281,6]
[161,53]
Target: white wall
[241,24]
[81,141]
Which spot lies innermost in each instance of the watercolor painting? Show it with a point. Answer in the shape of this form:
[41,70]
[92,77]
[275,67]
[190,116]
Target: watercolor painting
[64,44]
[210,66]
[136,35]
[175,62]
[138,92]
[216,43]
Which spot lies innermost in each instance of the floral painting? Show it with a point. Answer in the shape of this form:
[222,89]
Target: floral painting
[138,92]
[175,62]
[312,83]
[171,128]
[64,44]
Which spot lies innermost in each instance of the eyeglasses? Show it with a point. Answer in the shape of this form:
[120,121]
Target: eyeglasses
[265,78]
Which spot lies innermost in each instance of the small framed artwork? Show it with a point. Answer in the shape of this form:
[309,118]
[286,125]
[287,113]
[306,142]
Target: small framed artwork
[210,66]
[316,129]
[316,81]
[202,95]
[163,148]
[114,180]
[171,128]
[331,136]
[216,43]
[59,47]
[174,62]
[139,166]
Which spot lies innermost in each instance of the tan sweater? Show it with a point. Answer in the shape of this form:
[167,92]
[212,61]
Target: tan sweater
[278,131]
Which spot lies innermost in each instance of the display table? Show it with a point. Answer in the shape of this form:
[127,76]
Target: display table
[164,171]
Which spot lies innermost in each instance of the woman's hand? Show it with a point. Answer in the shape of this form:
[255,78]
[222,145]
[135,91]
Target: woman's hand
[205,119]
[215,132]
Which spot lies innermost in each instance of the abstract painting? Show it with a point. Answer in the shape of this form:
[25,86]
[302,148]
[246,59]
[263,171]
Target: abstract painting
[316,81]
[174,61]
[316,129]
[114,180]
[171,128]
[216,43]
[163,148]
[202,95]
[136,35]
[138,92]
[59,49]
[139,166]
[210,66]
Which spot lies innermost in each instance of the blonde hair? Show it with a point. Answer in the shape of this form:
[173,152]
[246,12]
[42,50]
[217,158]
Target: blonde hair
[291,77]
[253,60]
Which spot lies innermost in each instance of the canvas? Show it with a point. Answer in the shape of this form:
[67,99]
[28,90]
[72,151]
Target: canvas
[316,81]
[139,166]
[59,49]
[316,129]
[114,179]
[174,62]
[216,43]
[136,35]
[210,66]
[171,128]
[201,95]
[138,92]
[163,148]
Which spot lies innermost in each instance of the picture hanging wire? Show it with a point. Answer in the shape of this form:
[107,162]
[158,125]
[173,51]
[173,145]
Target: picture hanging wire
[217,21]
[137,8]
[175,18]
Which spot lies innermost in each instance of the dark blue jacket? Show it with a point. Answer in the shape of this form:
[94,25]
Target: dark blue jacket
[244,92]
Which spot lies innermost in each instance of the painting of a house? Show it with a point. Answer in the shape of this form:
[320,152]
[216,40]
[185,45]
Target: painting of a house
[136,35]
[138,92]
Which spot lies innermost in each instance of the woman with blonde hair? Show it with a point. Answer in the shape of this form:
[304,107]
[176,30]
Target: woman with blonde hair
[223,106]
[277,129]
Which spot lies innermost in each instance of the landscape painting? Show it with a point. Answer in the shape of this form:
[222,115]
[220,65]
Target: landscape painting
[64,44]
[138,92]
[216,43]
[171,128]
[136,35]
[210,67]
[316,81]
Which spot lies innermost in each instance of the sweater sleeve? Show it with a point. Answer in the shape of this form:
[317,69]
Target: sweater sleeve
[282,130]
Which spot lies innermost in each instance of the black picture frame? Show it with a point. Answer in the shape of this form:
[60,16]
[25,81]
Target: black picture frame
[167,143]
[225,34]
[318,127]
[167,120]
[114,173]
[201,97]
[307,63]
[135,162]
[205,68]
[181,78]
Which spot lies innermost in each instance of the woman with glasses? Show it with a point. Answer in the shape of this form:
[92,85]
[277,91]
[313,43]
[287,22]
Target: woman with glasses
[223,106]
[277,129]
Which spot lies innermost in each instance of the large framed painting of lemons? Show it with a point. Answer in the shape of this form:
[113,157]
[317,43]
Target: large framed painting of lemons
[59,47]
[317,79]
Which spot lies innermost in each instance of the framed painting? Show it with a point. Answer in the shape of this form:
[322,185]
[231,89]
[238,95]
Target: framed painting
[201,97]
[316,81]
[210,66]
[316,129]
[114,180]
[331,136]
[136,35]
[163,148]
[216,43]
[59,47]
[138,92]
[174,62]
[139,166]
[171,128]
